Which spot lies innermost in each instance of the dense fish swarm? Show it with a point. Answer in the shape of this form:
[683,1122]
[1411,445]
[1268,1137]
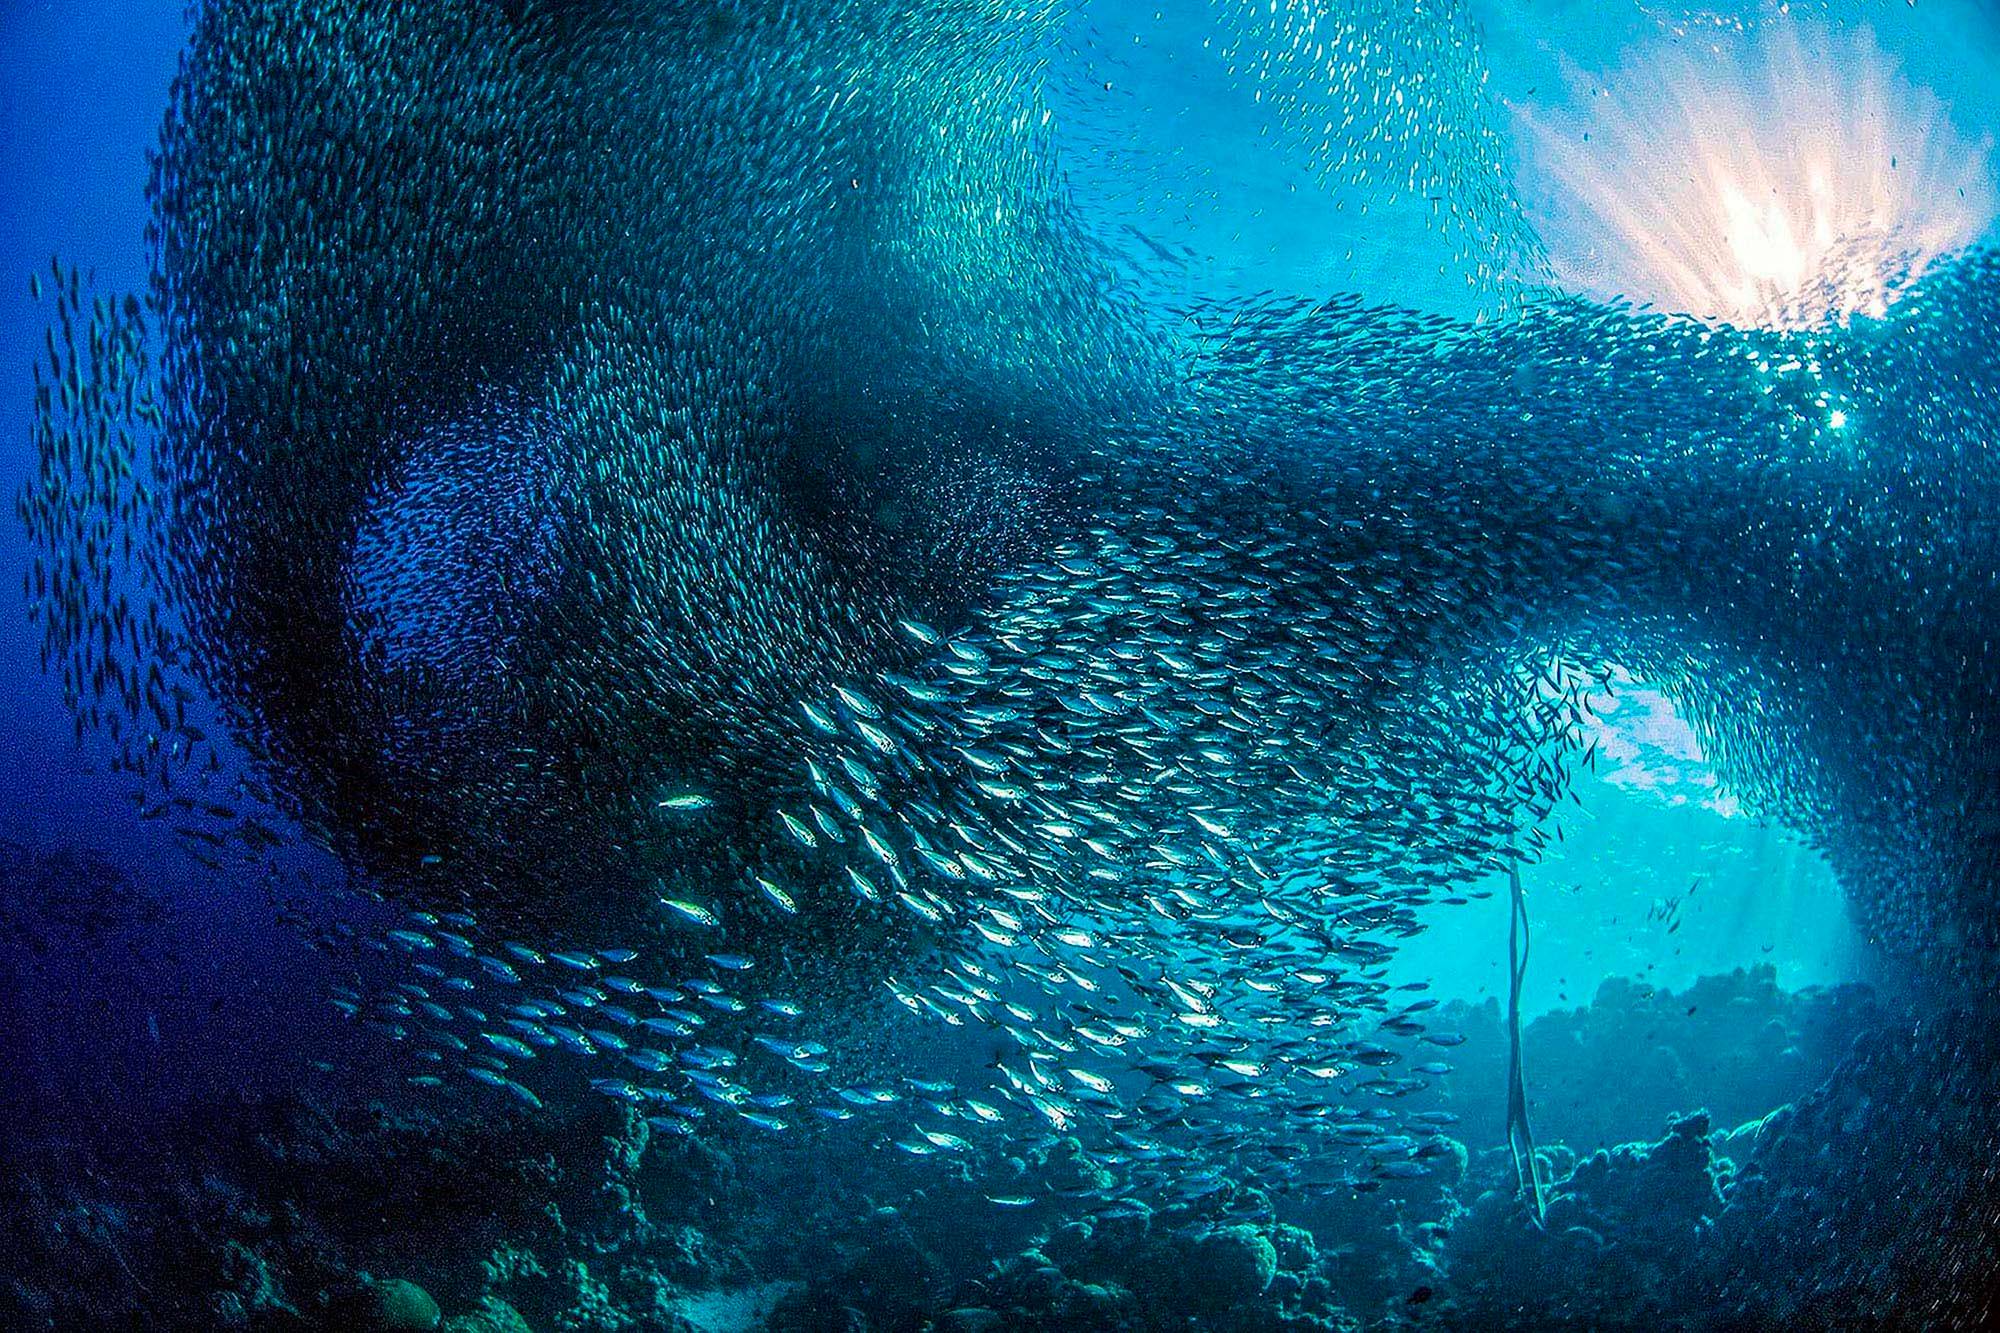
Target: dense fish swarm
[683,475]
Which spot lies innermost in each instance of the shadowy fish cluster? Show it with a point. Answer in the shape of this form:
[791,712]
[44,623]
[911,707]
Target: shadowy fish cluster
[674,492]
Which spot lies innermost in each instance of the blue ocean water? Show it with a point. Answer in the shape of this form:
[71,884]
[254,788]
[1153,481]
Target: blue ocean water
[85,89]
[1229,1030]
[217,995]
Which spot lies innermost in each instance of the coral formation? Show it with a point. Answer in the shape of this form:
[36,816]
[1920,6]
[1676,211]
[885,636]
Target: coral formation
[306,1214]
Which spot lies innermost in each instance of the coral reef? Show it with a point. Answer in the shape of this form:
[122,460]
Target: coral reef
[274,1215]
[1866,1195]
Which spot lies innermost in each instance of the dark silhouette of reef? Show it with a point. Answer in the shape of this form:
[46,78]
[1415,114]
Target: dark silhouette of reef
[1603,1073]
[1864,1198]
[290,1214]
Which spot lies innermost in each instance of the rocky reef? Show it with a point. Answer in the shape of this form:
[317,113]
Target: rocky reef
[290,1214]
[1865,1196]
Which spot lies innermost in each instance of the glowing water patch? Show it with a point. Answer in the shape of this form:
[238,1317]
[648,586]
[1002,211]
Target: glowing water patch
[1643,744]
[1660,877]
[1784,178]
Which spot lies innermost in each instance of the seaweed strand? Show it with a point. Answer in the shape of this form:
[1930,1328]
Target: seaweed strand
[1520,1139]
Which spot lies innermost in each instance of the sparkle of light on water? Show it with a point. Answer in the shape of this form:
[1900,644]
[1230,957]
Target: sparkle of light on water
[1779,178]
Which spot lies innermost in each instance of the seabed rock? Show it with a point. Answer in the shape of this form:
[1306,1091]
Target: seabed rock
[493,1316]
[391,1305]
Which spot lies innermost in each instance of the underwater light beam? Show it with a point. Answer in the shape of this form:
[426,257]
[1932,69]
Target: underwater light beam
[1783,178]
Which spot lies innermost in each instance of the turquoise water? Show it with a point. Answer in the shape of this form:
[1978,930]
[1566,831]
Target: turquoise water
[1661,877]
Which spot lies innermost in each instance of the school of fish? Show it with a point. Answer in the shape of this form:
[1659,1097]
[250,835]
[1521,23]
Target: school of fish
[673,494]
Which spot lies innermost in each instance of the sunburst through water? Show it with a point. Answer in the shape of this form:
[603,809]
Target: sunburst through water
[1779,177]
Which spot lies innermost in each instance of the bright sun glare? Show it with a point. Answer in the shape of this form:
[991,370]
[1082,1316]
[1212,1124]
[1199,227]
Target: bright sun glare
[1781,178]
